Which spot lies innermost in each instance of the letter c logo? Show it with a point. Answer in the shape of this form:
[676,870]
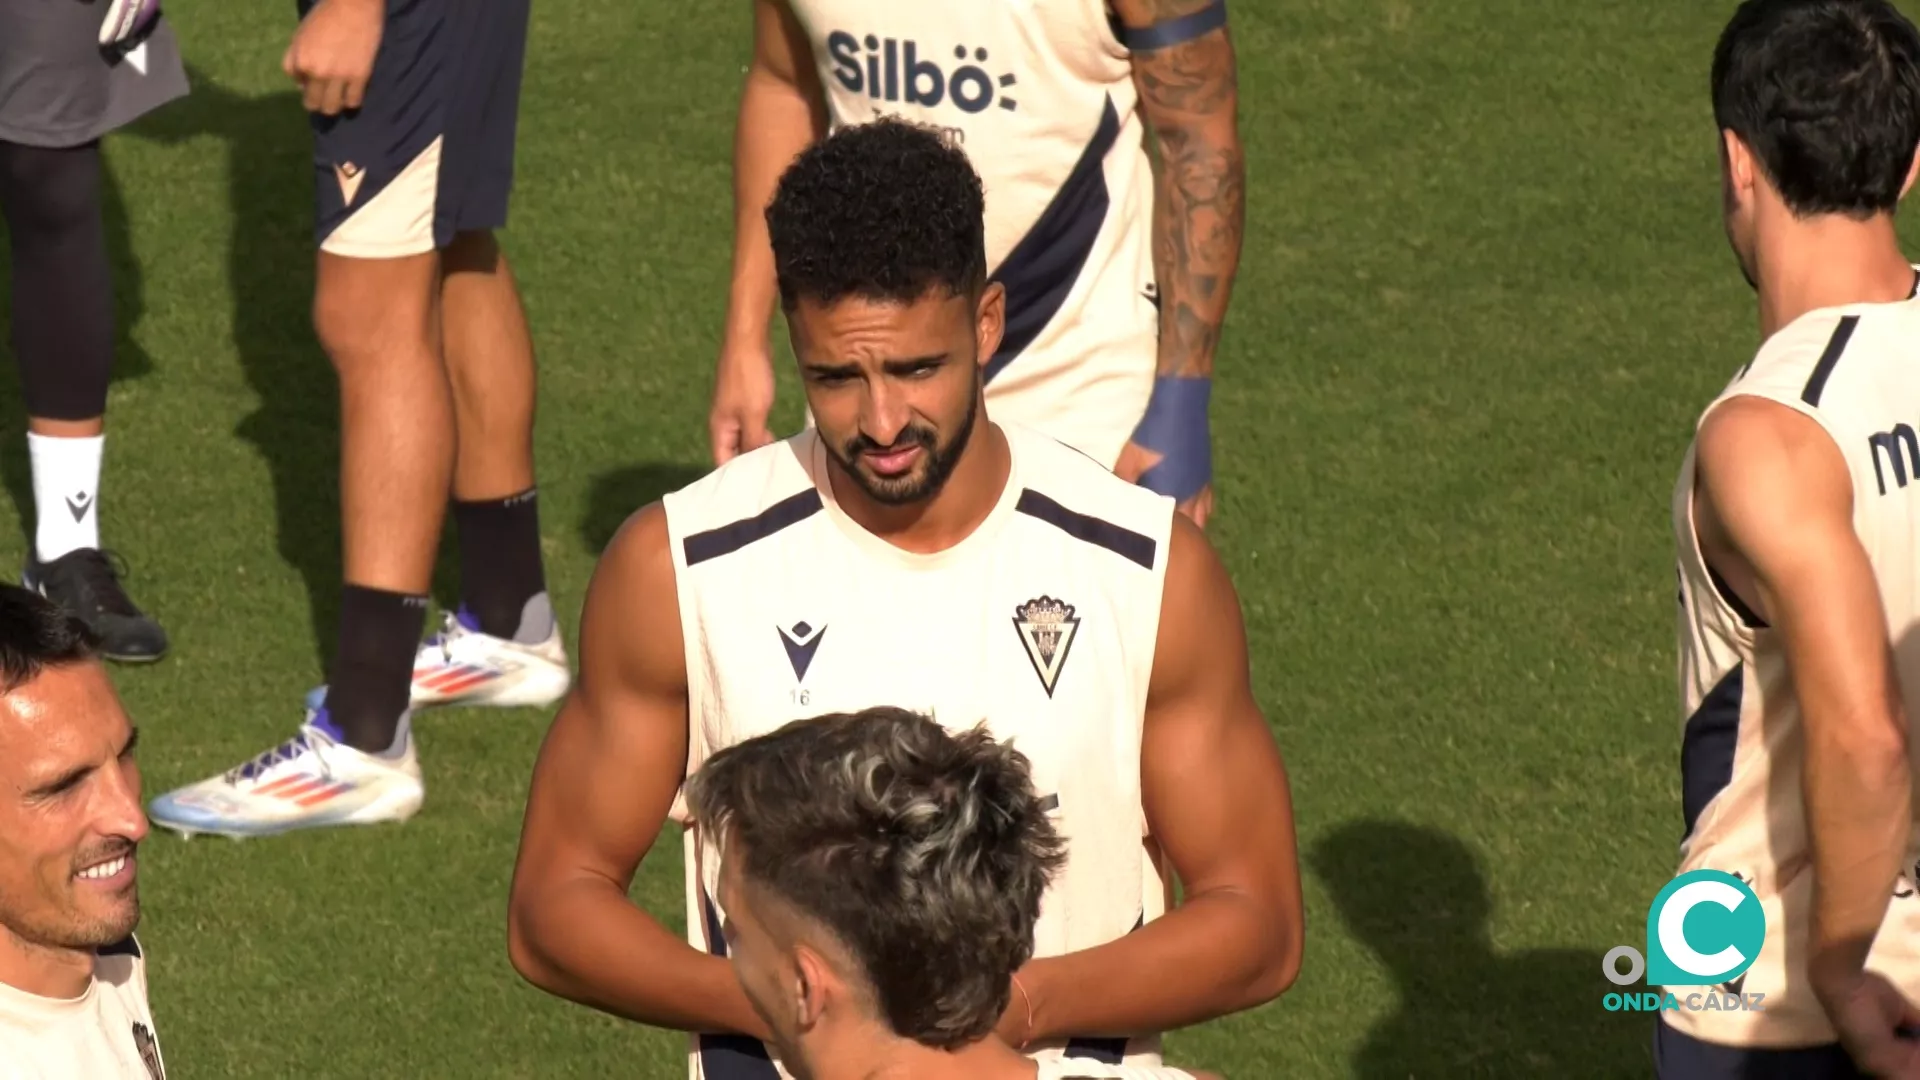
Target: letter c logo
[1704,928]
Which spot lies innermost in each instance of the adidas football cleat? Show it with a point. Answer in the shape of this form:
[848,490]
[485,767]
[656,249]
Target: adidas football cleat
[86,582]
[461,665]
[310,781]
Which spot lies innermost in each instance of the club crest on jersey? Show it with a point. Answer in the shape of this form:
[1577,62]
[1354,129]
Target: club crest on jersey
[1046,628]
[143,1041]
[801,642]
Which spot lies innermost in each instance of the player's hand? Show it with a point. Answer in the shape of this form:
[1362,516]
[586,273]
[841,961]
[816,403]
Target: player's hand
[332,53]
[1868,1012]
[742,401]
[1135,460]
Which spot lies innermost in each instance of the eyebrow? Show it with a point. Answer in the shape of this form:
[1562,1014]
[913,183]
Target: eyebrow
[891,367]
[73,776]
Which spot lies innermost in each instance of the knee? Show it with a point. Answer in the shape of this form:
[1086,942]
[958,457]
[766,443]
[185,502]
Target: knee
[346,329]
[373,313]
[50,192]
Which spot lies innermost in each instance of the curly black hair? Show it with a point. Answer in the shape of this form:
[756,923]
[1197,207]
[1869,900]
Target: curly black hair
[886,210]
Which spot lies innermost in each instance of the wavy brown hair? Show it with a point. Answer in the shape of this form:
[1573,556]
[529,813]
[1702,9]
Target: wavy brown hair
[923,852]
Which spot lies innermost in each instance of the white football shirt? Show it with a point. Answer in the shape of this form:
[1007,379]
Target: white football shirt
[1851,370]
[104,1034]
[1042,624]
[1079,1069]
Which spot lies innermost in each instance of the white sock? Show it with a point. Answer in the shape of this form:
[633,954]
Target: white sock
[66,493]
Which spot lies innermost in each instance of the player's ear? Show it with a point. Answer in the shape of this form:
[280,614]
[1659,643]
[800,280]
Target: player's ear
[1913,170]
[990,320]
[1737,166]
[812,979]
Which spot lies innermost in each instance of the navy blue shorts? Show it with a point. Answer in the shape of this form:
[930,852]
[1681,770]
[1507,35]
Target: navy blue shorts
[429,153]
[1677,1056]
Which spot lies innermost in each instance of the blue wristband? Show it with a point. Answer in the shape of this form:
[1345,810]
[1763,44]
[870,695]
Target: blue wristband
[1176,31]
[1175,427]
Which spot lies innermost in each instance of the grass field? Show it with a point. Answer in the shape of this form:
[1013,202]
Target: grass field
[1484,292]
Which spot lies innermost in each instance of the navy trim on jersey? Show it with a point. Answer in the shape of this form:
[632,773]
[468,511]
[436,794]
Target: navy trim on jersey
[727,539]
[1105,1051]
[1123,542]
[1707,746]
[1109,1050]
[126,946]
[1837,344]
[1679,1056]
[1732,600]
[730,1057]
[1175,31]
[1042,268]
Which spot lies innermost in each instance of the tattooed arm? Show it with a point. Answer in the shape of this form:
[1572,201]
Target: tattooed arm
[1189,98]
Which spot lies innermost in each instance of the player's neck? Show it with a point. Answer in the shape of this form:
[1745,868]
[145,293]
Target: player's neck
[42,971]
[1827,262]
[970,493]
[893,1058]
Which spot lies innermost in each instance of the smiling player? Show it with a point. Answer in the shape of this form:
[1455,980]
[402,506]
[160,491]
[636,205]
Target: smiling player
[73,983]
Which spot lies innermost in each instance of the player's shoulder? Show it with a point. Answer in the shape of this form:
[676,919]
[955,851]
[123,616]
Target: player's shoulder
[1804,360]
[1064,488]
[751,495]
[1807,338]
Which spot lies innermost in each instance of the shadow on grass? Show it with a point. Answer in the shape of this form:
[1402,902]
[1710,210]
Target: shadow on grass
[1417,898]
[270,261]
[617,494]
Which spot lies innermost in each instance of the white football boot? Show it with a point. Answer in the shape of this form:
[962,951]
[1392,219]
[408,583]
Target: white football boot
[461,665]
[310,781]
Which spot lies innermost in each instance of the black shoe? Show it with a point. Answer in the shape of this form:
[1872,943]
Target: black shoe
[86,582]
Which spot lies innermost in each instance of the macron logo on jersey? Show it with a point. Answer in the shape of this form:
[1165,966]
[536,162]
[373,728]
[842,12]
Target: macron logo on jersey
[1902,449]
[894,70]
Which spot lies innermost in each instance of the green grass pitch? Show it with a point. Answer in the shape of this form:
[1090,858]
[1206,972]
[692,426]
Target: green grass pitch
[1484,292]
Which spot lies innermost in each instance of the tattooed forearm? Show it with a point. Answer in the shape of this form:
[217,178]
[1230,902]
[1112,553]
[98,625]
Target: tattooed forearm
[1196,78]
[1189,96]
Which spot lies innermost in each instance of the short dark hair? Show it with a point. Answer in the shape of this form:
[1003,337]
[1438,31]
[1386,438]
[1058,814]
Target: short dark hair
[1827,95]
[886,210]
[36,634]
[924,852]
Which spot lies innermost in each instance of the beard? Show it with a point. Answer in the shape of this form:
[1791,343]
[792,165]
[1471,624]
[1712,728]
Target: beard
[68,918]
[924,481]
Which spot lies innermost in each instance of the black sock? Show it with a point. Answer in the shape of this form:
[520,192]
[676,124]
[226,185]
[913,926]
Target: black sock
[372,675]
[500,565]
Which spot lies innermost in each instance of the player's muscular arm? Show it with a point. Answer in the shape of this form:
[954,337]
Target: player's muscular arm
[602,787]
[1189,98]
[782,111]
[1773,492]
[1216,798]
